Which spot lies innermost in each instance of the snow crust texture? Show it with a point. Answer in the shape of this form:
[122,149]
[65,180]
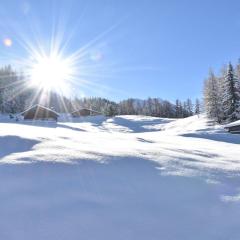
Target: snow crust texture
[128,177]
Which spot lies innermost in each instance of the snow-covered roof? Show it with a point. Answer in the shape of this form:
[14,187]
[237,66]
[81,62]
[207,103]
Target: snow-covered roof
[38,106]
[236,123]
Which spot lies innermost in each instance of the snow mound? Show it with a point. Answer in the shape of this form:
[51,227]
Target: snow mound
[128,177]
[99,138]
[192,124]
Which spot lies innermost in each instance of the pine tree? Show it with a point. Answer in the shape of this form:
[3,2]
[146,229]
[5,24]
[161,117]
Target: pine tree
[237,69]
[189,107]
[197,107]
[231,97]
[181,110]
[110,110]
[212,97]
[178,110]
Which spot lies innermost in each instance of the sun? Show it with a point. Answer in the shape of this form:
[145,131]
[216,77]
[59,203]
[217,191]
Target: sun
[50,72]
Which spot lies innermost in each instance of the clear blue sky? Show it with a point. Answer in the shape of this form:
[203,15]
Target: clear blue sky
[157,48]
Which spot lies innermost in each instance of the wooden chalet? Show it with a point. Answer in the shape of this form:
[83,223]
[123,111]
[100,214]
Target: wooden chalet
[39,112]
[233,127]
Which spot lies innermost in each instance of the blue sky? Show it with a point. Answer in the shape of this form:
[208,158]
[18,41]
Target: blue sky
[135,48]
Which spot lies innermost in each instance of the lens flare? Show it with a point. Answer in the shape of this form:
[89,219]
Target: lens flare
[7,42]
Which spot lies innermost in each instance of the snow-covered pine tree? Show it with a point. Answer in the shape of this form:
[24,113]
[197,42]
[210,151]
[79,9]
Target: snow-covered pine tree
[12,90]
[197,107]
[231,95]
[110,110]
[185,109]
[178,110]
[181,110]
[237,69]
[212,97]
[189,107]
[221,81]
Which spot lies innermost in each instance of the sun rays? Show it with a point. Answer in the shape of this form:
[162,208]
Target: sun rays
[51,72]
[51,67]
[50,63]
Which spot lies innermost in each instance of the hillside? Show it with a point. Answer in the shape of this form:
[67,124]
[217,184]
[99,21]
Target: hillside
[128,177]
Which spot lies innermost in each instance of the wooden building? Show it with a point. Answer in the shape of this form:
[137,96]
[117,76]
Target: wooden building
[84,112]
[38,112]
[233,127]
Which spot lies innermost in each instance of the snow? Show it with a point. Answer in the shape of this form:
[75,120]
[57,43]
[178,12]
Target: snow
[128,177]
[236,123]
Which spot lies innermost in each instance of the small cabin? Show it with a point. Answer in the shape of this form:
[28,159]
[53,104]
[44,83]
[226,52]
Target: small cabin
[84,112]
[233,127]
[38,112]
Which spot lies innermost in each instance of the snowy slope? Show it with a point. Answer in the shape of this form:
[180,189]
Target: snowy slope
[128,177]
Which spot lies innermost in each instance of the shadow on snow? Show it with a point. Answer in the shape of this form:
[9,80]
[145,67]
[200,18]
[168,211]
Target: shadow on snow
[124,198]
[15,144]
[215,136]
[141,125]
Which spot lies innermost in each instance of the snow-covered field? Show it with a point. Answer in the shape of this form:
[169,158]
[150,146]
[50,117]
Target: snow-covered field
[128,177]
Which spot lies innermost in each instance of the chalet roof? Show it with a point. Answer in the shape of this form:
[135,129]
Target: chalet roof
[38,106]
[85,109]
[233,124]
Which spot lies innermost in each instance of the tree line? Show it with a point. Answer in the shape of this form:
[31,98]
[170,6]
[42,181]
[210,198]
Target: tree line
[16,95]
[222,94]
[159,108]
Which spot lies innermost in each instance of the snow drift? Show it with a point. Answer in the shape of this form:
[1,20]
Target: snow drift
[128,177]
